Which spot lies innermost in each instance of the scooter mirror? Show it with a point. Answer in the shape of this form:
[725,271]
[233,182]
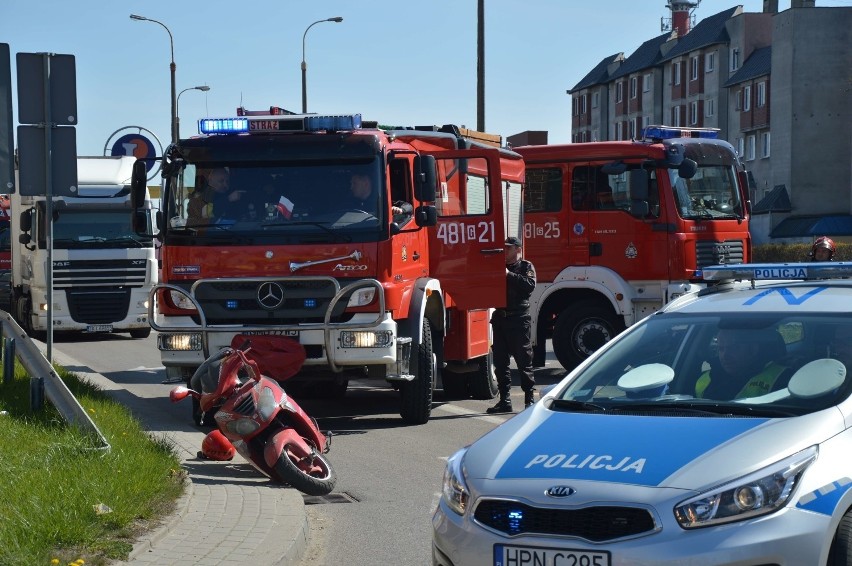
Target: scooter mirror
[178,393]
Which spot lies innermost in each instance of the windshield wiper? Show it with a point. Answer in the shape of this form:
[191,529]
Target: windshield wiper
[706,408]
[338,236]
[140,243]
[572,404]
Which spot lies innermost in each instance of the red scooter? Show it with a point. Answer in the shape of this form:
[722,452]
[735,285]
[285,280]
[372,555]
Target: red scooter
[265,425]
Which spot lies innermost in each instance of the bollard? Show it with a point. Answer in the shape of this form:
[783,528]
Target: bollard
[8,360]
[36,393]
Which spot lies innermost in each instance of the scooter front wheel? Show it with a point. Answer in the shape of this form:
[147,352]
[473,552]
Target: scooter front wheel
[311,477]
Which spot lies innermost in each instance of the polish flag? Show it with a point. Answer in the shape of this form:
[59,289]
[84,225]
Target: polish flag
[285,207]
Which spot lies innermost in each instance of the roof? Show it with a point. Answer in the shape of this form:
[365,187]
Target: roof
[647,55]
[778,200]
[709,31]
[598,75]
[809,226]
[757,65]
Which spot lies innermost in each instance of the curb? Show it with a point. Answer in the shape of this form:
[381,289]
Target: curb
[148,539]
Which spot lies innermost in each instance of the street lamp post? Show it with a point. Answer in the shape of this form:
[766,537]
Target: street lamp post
[171,67]
[338,19]
[202,88]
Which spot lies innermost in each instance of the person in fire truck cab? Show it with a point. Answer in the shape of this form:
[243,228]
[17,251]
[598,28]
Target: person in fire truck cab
[512,328]
[363,198]
[215,200]
[823,249]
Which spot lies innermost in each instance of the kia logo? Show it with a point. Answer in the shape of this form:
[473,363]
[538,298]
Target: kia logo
[270,295]
[559,491]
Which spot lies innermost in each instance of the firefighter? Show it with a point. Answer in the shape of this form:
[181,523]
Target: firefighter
[512,328]
[363,199]
[822,250]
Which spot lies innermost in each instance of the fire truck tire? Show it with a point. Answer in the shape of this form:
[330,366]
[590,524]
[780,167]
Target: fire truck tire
[140,332]
[483,382]
[416,395]
[580,330]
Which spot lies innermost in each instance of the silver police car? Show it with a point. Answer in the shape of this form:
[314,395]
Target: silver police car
[716,431]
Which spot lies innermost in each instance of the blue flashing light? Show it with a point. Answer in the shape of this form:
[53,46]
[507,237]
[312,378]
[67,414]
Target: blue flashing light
[335,123]
[232,304]
[310,303]
[223,125]
[666,133]
[778,271]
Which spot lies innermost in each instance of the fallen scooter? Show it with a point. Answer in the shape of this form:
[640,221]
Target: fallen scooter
[254,413]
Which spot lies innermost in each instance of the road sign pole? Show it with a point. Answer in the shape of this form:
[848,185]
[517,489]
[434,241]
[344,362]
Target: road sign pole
[48,170]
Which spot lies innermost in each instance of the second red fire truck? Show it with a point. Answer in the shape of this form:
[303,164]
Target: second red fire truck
[617,229]
[286,248]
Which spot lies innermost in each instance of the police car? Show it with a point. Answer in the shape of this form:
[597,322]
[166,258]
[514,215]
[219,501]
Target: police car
[716,431]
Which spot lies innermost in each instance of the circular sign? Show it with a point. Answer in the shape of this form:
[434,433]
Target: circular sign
[136,145]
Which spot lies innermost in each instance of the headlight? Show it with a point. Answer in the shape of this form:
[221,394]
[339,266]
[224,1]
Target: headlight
[179,342]
[366,339]
[266,404]
[180,300]
[362,297]
[760,493]
[455,492]
[242,427]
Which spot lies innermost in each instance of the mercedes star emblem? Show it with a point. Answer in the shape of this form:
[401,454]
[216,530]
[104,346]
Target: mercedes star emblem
[270,295]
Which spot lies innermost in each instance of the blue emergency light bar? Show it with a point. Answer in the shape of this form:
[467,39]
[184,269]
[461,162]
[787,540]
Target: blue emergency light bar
[667,133]
[279,123]
[778,271]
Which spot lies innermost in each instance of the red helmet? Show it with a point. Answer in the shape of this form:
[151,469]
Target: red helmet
[216,447]
[826,243]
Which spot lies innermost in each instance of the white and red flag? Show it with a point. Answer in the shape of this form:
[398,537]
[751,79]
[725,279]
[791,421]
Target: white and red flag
[285,207]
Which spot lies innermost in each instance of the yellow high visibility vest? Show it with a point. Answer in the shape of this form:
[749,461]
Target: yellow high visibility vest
[760,384]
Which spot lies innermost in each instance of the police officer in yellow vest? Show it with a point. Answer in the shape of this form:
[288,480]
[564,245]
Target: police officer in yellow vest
[749,365]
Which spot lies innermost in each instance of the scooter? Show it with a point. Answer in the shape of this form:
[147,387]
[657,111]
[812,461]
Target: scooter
[265,425]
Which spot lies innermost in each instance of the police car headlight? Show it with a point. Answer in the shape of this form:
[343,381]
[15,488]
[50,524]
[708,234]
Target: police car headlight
[761,493]
[455,492]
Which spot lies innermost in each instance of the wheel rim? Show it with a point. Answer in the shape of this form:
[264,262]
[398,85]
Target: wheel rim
[310,465]
[590,336]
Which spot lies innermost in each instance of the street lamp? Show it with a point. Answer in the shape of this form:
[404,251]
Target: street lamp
[202,88]
[338,19]
[171,67]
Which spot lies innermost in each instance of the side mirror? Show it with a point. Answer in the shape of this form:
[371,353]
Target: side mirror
[178,393]
[425,178]
[687,169]
[426,215]
[24,238]
[638,182]
[26,220]
[138,193]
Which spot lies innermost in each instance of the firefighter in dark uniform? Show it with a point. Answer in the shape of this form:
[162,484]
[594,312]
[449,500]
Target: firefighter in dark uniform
[512,328]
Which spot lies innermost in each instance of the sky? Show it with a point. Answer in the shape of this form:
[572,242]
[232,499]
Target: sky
[400,63]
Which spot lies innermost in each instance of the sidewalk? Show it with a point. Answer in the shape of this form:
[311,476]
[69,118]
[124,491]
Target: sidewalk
[229,514]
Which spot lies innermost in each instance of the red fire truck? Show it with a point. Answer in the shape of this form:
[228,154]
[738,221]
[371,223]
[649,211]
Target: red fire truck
[617,229]
[287,248]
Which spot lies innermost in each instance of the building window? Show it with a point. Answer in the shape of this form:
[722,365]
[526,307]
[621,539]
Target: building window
[693,113]
[583,104]
[761,94]
[634,87]
[646,83]
[631,130]
[646,121]
[693,68]
[676,68]
[764,144]
[596,135]
[740,147]
[747,98]
[710,62]
[735,59]
[596,99]
[750,149]
[676,115]
[619,87]
[709,107]
[575,108]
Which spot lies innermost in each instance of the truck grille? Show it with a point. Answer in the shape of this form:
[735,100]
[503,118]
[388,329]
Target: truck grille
[301,301]
[596,524]
[99,273]
[98,306]
[710,252]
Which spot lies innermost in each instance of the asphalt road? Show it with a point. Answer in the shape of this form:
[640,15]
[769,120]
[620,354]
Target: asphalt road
[389,474]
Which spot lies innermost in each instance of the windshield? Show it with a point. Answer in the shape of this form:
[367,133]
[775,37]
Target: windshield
[767,365]
[711,193]
[309,201]
[96,229]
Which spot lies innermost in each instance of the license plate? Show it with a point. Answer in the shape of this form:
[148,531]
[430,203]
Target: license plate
[293,333]
[508,555]
[99,328]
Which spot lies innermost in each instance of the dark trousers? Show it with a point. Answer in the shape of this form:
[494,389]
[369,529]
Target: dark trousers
[512,337]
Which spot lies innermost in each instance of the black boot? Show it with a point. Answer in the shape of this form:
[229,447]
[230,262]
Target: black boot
[529,397]
[504,405]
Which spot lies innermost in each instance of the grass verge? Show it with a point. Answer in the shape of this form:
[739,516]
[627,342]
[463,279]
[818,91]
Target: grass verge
[65,500]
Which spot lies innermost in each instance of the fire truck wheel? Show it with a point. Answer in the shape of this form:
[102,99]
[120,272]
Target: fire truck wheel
[580,330]
[140,332]
[483,382]
[416,395]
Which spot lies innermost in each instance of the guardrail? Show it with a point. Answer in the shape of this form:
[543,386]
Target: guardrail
[16,344]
